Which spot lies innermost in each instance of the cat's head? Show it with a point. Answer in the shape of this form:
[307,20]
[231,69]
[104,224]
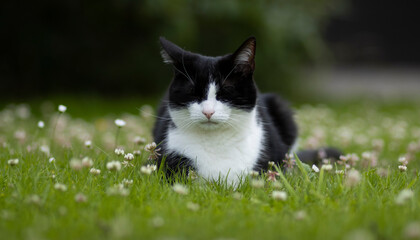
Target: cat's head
[211,92]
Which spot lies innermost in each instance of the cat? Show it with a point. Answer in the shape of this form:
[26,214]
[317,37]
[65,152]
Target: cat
[214,120]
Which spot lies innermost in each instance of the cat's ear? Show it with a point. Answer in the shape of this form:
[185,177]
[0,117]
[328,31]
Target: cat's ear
[245,54]
[170,52]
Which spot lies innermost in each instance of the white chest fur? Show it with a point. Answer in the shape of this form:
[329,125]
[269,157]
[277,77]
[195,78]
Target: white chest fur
[225,153]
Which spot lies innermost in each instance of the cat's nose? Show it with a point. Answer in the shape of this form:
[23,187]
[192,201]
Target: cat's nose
[208,113]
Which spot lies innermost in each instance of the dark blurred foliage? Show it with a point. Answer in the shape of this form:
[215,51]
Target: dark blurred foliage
[376,32]
[110,47]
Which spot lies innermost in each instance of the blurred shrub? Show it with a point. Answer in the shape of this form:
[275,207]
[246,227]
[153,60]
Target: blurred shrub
[112,46]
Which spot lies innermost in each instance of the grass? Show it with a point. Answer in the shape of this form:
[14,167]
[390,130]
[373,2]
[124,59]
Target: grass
[319,205]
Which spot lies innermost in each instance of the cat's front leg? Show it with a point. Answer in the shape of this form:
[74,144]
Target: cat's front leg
[175,164]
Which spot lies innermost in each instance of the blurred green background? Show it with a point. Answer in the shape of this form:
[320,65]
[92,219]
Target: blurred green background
[110,48]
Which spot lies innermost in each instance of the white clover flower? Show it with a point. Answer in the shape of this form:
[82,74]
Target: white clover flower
[404,196]
[403,160]
[145,170]
[119,151]
[180,189]
[87,162]
[129,156]
[353,178]
[60,187]
[76,164]
[137,152]
[80,198]
[193,206]
[150,147]
[402,168]
[62,108]
[118,189]
[34,199]
[88,143]
[41,124]
[148,169]
[113,166]
[339,172]
[279,195]
[315,168]
[94,171]
[51,160]
[254,173]
[127,182]
[257,183]
[237,196]
[45,149]
[270,163]
[13,162]
[119,123]
[327,167]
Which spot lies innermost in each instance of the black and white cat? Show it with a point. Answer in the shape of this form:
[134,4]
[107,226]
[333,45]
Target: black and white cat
[214,120]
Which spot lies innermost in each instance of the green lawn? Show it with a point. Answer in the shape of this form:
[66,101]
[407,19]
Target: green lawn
[329,204]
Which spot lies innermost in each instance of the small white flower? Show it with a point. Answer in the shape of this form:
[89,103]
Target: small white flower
[315,168]
[88,143]
[148,169]
[150,147]
[402,168]
[127,182]
[87,162]
[403,160]
[257,183]
[145,170]
[237,196]
[41,124]
[129,156]
[34,199]
[353,178]
[80,197]
[13,162]
[327,167]
[45,149]
[51,160]
[137,152]
[180,189]
[339,172]
[60,187]
[270,163]
[76,164]
[193,206]
[119,151]
[119,122]
[95,171]
[118,189]
[404,196]
[113,166]
[279,195]
[253,173]
[62,108]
